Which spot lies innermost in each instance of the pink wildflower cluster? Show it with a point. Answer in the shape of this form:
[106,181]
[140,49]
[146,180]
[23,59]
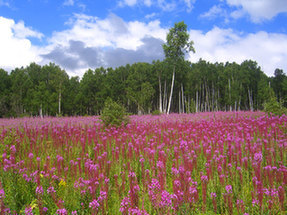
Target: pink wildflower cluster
[167,164]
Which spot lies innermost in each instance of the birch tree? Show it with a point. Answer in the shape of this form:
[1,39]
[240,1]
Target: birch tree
[177,45]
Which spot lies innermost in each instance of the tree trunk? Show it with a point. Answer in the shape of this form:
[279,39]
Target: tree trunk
[188,104]
[171,90]
[160,97]
[60,97]
[196,105]
[182,97]
[250,100]
[41,111]
[179,102]
[164,98]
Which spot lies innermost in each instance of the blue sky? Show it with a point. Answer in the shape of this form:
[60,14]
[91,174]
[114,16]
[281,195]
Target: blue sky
[82,34]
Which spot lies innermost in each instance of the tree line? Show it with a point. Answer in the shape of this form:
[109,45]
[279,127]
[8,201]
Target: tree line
[171,85]
[141,88]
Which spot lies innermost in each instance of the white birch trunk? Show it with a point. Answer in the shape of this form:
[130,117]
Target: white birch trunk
[196,105]
[164,98]
[41,111]
[171,90]
[179,102]
[60,97]
[250,100]
[160,96]
[229,90]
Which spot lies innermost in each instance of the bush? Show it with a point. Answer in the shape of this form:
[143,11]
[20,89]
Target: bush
[114,114]
[156,112]
[274,107]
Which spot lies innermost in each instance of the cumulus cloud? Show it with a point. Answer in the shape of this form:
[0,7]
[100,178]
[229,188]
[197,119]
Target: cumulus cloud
[20,31]
[150,50]
[222,45]
[16,49]
[259,10]
[77,55]
[90,42]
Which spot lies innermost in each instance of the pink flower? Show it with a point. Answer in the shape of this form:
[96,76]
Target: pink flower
[166,199]
[103,196]
[204,178]
[213,195]
[137,211]
[31,155]
[255,202]
[39,190]
[51,190]
[258,157]
[228,189]
[28,211]
[125,204]
[94,204]
[62,211]
[2,194]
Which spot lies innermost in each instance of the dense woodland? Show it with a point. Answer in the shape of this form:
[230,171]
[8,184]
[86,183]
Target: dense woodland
[141,87]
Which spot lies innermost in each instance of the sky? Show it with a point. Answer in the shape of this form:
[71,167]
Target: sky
[82,34]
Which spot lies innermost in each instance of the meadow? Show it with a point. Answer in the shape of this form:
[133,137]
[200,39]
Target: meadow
[205,163]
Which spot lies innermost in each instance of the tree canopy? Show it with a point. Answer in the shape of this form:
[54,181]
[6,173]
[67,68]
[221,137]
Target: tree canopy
[202,86]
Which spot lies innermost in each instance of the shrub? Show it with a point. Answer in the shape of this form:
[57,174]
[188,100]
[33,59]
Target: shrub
[156,112]
[274,107]
[114,114]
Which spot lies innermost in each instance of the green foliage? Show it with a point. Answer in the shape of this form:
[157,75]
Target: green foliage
[178,43]
[191,107]
[274,107]
[142,87]
[114,114]
[156,112]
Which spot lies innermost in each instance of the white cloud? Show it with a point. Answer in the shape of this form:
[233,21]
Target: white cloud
[237,14]
[150,16]
[213,12]
[109,32]
[100,36]
[129,3]
[89,41]
[189,4]
[260,10]
[21,31]
[164,5]
[147,3]
[68,3]
[4,3]
[16,50]
[216,45]
[221,45]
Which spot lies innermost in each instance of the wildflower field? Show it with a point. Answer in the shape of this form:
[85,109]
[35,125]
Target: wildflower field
[207,163]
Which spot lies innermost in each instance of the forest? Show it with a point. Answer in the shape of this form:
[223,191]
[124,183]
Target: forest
[171,85]
[141,88]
